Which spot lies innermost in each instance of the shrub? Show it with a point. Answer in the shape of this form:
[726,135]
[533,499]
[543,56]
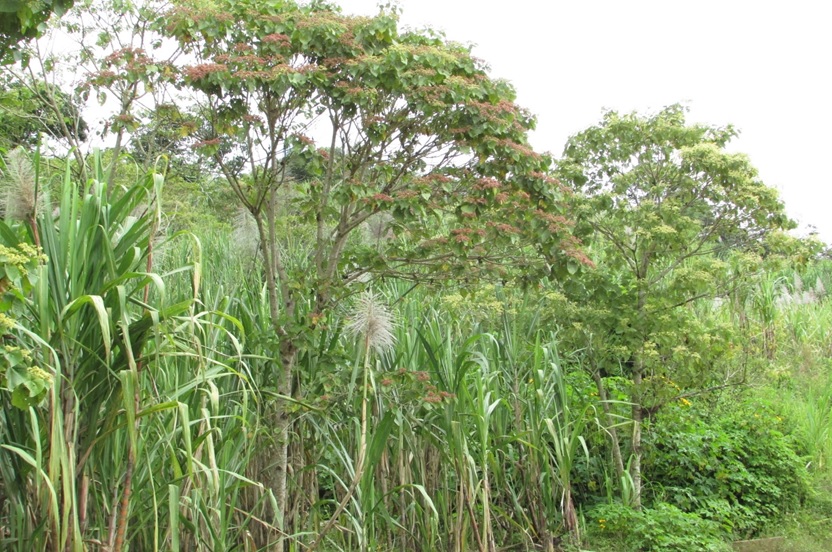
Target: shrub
[732,467]
[661,528]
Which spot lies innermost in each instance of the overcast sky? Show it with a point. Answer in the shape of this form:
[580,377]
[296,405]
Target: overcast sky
[765,67]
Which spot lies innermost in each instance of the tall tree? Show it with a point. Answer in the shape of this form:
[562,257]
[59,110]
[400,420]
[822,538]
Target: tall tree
[666,204]
[382,121]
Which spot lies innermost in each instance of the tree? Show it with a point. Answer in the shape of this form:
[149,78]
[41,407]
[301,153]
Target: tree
[24,19]
[407,123]
[26,112]
[108,53]
[667,206]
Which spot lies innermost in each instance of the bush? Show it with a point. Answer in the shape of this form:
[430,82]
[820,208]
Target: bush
[732,467]
[661,528]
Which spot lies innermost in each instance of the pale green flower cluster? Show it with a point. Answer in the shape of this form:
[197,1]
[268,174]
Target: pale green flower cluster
[480,304]
[6,323]
[37,373]
[21,255]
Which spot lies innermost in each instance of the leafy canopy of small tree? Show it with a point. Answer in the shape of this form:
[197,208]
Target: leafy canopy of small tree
[668,208]
[673,217]
[383,121]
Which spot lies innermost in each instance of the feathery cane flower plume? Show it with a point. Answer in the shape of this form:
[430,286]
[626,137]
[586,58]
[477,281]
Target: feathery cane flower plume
[372,321]
[20,197]
[820,290]
[378,228]
[245,237]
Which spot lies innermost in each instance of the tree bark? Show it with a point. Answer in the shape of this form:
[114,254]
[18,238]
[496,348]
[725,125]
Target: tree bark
[279,295]
[638,373]
[638,416]
[613,432]
[288,357]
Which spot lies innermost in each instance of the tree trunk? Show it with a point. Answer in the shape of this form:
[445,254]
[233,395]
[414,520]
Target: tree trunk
[288,357]
[279,297]
[638,372]
[638,416]
[613,432]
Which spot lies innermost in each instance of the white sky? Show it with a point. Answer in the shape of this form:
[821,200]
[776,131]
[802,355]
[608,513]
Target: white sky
[764,66]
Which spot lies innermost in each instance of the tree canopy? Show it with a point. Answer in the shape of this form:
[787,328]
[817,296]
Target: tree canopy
[666,208]
[383,120]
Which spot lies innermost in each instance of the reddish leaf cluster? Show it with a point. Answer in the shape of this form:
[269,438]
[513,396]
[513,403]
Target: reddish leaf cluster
[199,72]
[466,235]
[520,149]
[250,75]
[381,198]
[572,248]
[557,223]
[277,38]
[435,396]
[102,78]
[304,139]
[407,194]
[206,143]
[503,227]
[434,178]
[487,184]
[127,55]
[349,88]
[249,59]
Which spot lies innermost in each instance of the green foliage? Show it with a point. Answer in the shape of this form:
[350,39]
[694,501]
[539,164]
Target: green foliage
[413,127]
[19,264]
[731,465]
[814,427]
[24,19]
[27,111]
[414,133]
[79,344]
[164,130]
[665,209]
[157,391]
[668,207]
[204,204]
[661,528]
